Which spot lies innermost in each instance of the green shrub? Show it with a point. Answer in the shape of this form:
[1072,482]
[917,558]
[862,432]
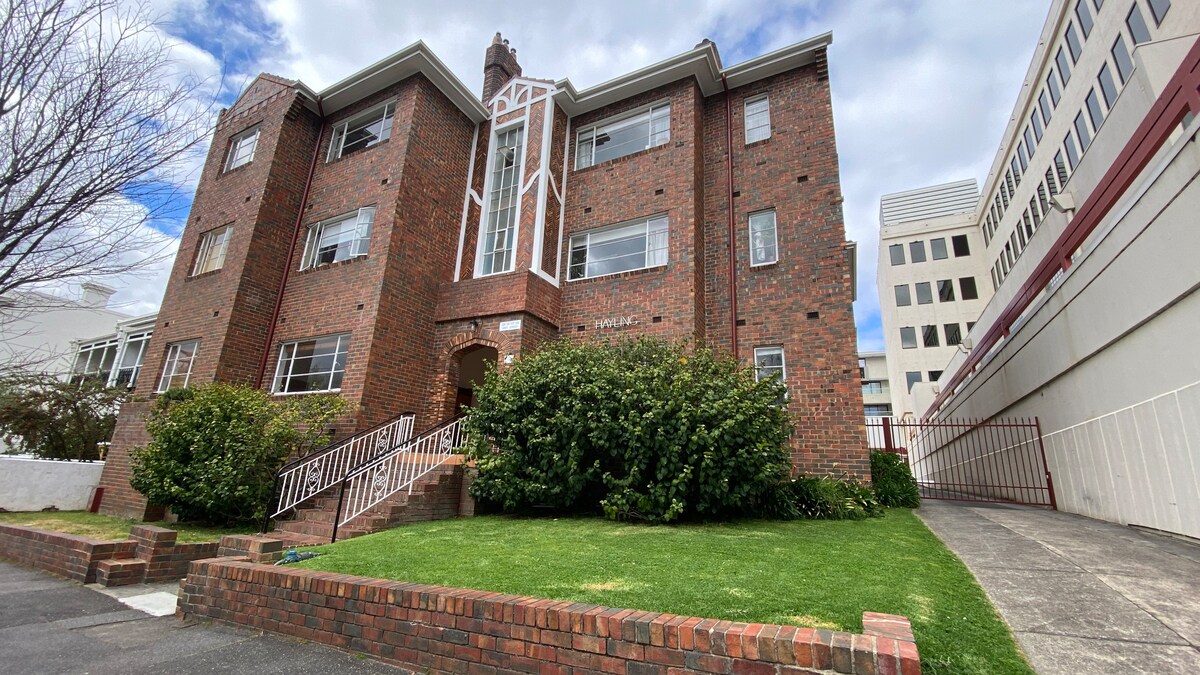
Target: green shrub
[639,429]
[893,480]
[822,499]
[214,450]
[52,418]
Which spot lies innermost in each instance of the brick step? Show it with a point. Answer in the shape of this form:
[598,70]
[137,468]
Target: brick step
[321,530]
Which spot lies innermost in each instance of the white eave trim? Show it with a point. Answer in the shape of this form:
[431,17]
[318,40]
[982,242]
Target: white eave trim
[413,59]
[702,63]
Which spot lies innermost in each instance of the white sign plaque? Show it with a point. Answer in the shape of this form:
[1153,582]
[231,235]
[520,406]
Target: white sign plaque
[506,326]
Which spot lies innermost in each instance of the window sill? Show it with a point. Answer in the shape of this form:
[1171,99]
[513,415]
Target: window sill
[306,393]
[359,153]
[619,160]
[203,275]
[764,266]
[326,266]
[619,275]
[757,143]
[236,169]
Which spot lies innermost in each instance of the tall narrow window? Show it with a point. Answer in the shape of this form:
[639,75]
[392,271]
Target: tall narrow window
[211,254]
[1081,130]
[241,149]
[610,250]
[1085,18]
[1107,86]
[962,247]
[945,289]
[1073,44]
[937,248]
[1064,67]
[924,293]
[916,250]
[311,365]
[132,356]
[177,368]
[623,136]
[903,299]
[1060,166]
[1137,25]
[908,338]
[896,254]
[362,131]
[1120,54]
[1052,87]
[768,363]
[953,334]
[758,119]
[929,336]
[497,249]
[1159,9]
[1043,199]
[1036,123]
[968,291]
[337,239]
[911,378]
[764,241]
[1044,107]
[1021,154]
[1095,112]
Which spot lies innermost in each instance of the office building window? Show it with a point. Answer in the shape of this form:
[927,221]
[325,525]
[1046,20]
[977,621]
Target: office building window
[1069,146]
[647,128]
[903,297]
[1073,44]
[632,246]
[1137,25]
[911,378]
[945,289]
[1060,167]
[1121,57]
[872,387]
[241,149]
[311,365]
[961,247]
[362,131]
[953,334]
[929,336]
[1159,9]
[758,119]
[211,254]
[878,410]
[1081,130]
[1064,68]
[177,368]
[1107,86]
[1016,175]
[970,325]
[1052,87]
[1085,18]
[908,337]
[1036,123]
[967,289]
[924,293]
[764,241]
[937,248]
[1095,112]
[896,252]
[496,252]
[1022,152]
[1044,107]
[935,375]
[916,250]
[337,239]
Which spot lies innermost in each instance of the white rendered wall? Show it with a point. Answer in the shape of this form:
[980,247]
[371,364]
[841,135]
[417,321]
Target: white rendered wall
[35,484]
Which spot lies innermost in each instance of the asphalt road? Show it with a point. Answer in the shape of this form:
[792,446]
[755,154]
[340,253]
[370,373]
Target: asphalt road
[51,625]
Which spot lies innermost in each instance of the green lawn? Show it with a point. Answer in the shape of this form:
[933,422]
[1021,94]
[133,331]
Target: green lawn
[109,528]
[809,573]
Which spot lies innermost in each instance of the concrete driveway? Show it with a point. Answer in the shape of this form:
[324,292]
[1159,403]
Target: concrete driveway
[1080,595]
[51,625]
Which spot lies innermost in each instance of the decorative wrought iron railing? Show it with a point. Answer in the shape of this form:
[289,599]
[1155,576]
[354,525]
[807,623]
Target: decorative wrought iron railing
[307,476]
[373,481]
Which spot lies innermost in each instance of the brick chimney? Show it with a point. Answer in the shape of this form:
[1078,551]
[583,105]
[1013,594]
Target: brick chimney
[499,66]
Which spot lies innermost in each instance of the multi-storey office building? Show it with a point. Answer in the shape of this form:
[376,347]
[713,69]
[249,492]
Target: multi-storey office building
[931,281]
[1089,218]
[877,392]
[387,236]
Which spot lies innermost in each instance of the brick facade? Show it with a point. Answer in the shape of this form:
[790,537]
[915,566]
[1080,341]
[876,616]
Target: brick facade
[416,303]
[433,629]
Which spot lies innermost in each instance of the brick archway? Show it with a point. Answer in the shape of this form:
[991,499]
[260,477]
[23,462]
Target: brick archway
[445,392]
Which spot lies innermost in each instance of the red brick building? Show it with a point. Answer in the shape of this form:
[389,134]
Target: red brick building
[388,235]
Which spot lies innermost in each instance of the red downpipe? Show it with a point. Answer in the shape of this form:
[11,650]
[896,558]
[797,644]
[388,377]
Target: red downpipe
[287,270]
[733,336]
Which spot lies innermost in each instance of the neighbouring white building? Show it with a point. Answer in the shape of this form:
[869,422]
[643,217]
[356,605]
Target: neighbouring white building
[877,393]
[932,282]
[1089,217]
[37,330]
[116,356]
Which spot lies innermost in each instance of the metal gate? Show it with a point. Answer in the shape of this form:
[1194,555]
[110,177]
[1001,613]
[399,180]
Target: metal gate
[996,460]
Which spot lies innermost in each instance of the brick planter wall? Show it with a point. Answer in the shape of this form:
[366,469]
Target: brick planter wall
[446,630]
[149,555]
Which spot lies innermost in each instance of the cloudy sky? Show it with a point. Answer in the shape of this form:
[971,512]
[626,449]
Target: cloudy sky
[922,89]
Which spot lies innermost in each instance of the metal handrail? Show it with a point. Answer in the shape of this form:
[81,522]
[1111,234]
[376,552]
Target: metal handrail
[302,479]
[373,481]
[333,446]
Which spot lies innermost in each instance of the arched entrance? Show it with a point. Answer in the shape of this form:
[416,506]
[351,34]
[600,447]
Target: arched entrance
[472,363]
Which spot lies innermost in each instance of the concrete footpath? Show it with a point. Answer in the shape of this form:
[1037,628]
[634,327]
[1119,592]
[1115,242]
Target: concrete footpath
[1081,595]
[52,625]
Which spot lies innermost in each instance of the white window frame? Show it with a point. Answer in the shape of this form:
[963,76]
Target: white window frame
[384,112]
[760,352]
[278,382]
[657,225]
[755,261]
[171,365]
[210,256]
[241,149]
[490,191]
[363,220]
[655,111]
[135,341]
[761,119]
[93,355]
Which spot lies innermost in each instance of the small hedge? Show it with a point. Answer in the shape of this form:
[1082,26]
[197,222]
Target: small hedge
[893,480]
[823,498]
[640,430]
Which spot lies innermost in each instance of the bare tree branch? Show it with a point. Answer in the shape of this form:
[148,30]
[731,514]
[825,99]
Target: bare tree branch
[95,123]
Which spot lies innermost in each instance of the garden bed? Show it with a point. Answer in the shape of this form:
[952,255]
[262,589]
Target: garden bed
[819,574]
[109,528]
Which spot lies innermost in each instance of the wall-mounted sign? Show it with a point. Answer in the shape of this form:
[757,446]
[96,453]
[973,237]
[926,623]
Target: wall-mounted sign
[506,326]
[617,322]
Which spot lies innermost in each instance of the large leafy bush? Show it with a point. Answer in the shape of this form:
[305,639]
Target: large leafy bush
[52,418]
[640,429]
[893,480]
[214,449]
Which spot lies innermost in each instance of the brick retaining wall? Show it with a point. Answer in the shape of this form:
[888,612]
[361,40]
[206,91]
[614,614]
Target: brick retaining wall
[446,630]
[150,554]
